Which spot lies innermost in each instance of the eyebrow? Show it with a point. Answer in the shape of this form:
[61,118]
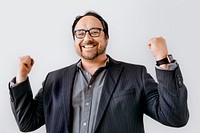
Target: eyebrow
[90,28]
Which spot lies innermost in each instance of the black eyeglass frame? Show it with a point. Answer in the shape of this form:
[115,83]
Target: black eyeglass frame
[85,31]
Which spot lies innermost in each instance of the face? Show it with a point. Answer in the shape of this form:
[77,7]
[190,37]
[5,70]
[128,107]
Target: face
[90,48]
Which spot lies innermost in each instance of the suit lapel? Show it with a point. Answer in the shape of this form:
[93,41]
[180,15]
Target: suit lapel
[67,86]
[113,74]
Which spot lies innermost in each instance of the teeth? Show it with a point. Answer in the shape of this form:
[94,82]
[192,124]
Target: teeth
[88,46]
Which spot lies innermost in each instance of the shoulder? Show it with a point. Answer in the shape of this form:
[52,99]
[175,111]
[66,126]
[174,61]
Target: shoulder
[126,65]
[60,73]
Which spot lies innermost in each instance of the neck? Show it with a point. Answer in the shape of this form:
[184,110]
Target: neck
[92,65]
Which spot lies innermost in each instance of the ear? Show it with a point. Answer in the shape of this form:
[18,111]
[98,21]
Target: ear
[107,40]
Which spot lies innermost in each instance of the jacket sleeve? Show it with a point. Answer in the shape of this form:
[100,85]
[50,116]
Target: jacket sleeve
[166,101]
[28,112]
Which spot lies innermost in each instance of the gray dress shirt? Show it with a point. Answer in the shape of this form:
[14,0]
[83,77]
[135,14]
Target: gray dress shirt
[85,98]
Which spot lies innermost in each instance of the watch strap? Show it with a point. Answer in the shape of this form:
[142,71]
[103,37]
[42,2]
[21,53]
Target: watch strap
[166,60]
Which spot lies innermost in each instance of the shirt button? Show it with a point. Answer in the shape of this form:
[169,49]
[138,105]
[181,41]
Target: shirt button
[84,124]
[87,104]
[90,86]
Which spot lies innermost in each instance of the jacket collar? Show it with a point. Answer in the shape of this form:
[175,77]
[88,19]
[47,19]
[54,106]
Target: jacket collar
[112,77]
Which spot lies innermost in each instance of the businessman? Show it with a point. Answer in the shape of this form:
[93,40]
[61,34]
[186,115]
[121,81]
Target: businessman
[99,94]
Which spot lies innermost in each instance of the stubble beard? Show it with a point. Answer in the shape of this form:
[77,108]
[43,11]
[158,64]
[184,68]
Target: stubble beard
[94,54]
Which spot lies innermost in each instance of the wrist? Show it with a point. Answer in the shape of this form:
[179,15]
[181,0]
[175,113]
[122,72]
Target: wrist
[20,79]
[167,60]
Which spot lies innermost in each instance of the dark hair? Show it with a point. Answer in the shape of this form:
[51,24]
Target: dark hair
[96,15]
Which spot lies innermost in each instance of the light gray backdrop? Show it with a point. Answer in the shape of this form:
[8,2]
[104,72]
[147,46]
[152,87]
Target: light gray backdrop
[42,29]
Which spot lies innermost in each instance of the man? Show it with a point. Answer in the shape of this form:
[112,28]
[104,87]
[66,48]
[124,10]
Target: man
[99,94]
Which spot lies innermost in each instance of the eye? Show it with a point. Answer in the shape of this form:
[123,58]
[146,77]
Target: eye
[94,32]
[80,33]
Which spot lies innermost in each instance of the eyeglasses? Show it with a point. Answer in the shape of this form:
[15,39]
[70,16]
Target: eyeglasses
[93,32]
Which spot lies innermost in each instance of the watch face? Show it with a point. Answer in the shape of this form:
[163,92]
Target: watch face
[170,58]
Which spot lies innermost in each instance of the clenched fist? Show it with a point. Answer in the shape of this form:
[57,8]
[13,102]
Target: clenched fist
[158,48]
[25,65]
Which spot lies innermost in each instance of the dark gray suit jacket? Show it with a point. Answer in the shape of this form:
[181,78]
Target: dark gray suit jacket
[129,92]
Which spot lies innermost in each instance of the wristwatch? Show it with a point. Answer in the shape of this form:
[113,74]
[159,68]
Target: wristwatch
[166,60]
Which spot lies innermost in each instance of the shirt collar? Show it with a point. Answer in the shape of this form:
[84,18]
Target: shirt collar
[105,64]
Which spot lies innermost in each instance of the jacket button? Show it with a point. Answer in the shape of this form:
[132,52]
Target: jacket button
[179,80]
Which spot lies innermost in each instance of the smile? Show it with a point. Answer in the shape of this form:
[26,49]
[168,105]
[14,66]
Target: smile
[88,46]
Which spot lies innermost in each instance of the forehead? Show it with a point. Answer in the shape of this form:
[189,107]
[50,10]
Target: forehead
[88,22]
